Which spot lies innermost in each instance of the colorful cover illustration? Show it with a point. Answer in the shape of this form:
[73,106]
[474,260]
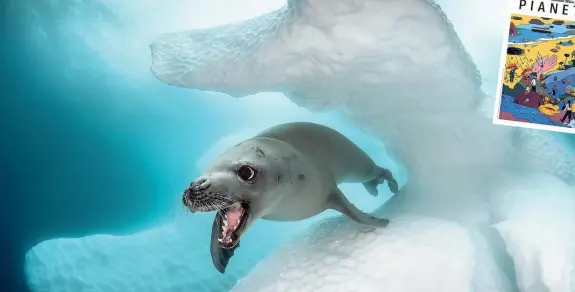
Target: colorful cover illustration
[537,77]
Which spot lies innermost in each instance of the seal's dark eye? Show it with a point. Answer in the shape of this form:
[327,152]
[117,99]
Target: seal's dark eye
[246,173]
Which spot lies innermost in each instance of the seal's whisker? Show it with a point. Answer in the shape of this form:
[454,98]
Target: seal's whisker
[224,197]
[225,201]
[182,211]
[214,202]
[221,203]
[185,209]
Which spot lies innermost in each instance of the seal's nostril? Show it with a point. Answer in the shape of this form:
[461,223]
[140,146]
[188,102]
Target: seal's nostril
[205,184]
[201,184]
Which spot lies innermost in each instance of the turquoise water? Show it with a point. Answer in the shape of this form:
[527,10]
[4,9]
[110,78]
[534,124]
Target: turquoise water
[93,144]
[87,154]
[89,148]
[525,34]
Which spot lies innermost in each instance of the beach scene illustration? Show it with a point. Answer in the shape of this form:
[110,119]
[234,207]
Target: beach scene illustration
[539,73]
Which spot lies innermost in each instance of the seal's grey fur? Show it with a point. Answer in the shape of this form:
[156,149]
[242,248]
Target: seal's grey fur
[286,173]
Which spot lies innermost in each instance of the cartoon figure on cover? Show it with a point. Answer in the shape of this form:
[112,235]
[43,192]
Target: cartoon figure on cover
[538,78]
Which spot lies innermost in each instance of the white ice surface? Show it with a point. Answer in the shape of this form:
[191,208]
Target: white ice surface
[398,70]
[108,263]
[405,78]
[538,228]
[171,258]
[341,256]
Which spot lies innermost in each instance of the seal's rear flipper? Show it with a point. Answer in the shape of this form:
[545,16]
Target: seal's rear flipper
[339,202]
[383,175]
[220,256]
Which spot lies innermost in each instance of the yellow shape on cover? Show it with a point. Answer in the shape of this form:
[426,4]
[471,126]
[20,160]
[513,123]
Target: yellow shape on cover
[549,109]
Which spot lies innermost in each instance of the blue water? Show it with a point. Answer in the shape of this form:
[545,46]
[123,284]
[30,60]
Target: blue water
[532,115]
[87,149]
[87,153]
[525,34]
[561,79]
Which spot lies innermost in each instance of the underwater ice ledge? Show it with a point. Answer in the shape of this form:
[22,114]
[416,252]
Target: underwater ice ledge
[420,101]
[175,255]
[406,79]
[405,73]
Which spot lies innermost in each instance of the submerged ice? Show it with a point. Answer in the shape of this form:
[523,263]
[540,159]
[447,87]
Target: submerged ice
[176,256]
[407,80]
[486,208]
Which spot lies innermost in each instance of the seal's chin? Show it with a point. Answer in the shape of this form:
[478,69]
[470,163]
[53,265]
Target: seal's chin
[232,221]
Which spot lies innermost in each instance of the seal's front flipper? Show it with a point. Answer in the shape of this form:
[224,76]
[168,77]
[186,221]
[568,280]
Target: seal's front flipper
[339,202]
[383,175]
[371,186]
[220,256]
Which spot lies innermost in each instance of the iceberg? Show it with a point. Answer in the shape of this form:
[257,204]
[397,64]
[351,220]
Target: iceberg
[416,253]
[406,79]
[108,263]
[536,225]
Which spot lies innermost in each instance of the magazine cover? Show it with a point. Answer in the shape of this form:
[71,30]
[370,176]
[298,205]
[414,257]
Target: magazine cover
[537,75]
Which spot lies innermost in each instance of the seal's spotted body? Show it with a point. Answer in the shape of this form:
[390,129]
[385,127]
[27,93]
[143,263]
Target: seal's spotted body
[289,172]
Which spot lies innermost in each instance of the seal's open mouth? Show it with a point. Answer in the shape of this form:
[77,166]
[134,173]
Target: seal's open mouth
[232,221]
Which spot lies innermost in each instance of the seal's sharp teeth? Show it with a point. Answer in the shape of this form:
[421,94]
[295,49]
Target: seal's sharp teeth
[221,240]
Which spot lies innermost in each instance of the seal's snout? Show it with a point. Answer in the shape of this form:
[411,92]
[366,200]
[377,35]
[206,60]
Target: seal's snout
[199,185]
[196,197]
[196,188]
[194,194]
